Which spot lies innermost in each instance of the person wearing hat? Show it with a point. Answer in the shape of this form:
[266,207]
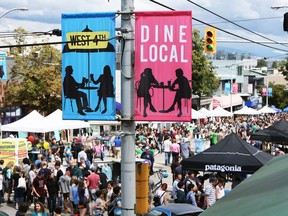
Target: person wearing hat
[148,156]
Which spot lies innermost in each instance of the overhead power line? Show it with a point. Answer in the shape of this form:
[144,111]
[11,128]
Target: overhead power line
[220,29]
[242,20]
[234,23]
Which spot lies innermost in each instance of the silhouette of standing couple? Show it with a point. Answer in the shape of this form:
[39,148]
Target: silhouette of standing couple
[147,80]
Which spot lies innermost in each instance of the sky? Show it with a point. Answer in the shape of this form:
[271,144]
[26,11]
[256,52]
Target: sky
[256,16]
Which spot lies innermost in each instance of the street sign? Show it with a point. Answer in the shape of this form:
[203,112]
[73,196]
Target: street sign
[87,40]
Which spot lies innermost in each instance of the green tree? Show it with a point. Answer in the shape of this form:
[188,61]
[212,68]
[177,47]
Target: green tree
[279,96]
[274,64]
[204,80]
[35,78]
[283,67]
[261,63]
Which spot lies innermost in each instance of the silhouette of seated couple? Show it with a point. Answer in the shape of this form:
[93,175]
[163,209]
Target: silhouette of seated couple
[147,80]
[71,89]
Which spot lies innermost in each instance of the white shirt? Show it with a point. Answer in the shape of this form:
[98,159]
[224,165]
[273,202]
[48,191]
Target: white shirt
[82,154]
[167,145]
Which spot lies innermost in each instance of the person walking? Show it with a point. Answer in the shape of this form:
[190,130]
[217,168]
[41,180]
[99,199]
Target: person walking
[167,150]
[52,186]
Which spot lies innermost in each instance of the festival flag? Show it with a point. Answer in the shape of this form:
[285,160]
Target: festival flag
[270,92]
[3,68]
[88,66]
[235,88]
[163,67]
[264,91]
[227,89]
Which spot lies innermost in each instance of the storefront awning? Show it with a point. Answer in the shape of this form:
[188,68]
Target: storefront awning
[225,101]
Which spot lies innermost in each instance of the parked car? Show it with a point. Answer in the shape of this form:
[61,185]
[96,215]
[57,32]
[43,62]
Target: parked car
[173,209]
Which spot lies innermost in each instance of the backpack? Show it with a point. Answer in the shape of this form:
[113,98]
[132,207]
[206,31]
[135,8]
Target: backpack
[112,205]
[157,200]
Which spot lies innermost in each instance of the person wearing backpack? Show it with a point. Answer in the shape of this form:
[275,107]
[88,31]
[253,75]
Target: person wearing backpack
[162,196]
[181,198]
[7,180]
[114,207]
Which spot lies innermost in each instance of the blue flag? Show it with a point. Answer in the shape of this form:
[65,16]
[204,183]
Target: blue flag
[88,66]
[3,68]
[227,89]
[269,92]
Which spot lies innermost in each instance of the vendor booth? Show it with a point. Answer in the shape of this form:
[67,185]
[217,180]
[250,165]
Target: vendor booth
[13,149]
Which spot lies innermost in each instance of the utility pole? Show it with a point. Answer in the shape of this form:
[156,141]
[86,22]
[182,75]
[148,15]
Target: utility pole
[128,177]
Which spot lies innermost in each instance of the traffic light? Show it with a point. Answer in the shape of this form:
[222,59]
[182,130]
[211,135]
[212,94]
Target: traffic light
[210,40]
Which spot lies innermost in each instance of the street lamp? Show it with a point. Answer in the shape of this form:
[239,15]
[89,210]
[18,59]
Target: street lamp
[14,9]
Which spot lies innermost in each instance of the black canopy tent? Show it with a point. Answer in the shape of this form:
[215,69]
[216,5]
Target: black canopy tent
[232,154]
[276,133]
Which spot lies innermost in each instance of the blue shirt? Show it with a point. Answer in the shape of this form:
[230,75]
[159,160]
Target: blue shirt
[117,142]
[190,197]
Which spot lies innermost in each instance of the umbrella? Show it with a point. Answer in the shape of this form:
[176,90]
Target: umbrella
[109,48]
[232,154]
[285,109]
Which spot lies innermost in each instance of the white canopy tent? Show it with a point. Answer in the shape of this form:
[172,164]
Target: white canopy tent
[246,111]
[54,121]
[220,112]
[266,109]
[204,111]
[33,122]
[197,115]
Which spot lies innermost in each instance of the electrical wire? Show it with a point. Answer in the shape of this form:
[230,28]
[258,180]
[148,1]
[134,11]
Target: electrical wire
[220,29]
[243,20]
[53,43]
[255,33]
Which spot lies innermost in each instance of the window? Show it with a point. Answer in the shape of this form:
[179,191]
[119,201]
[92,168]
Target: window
[239,70]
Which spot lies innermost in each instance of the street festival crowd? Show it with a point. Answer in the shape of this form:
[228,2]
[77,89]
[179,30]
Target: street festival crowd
[63,178]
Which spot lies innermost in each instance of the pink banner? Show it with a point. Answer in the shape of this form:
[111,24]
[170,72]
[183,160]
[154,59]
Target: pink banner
[264,91]
[235,88]
[163,66]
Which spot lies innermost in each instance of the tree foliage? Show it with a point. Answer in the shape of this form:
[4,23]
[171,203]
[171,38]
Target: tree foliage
[283,68]
[261,63]
[204,75]
[35,78]
[279,96]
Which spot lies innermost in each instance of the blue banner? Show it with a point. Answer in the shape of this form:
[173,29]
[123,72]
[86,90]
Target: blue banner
[3,72]
[88,66]
[269,92]
[227,89]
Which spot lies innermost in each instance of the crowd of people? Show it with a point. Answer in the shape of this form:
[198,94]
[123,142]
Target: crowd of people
[63,178]
[176,144]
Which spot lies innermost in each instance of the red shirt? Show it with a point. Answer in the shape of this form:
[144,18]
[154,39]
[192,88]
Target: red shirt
[38,184]
[93,181]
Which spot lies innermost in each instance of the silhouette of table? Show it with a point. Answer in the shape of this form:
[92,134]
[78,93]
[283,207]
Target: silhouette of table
[89,88]
[163,87]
